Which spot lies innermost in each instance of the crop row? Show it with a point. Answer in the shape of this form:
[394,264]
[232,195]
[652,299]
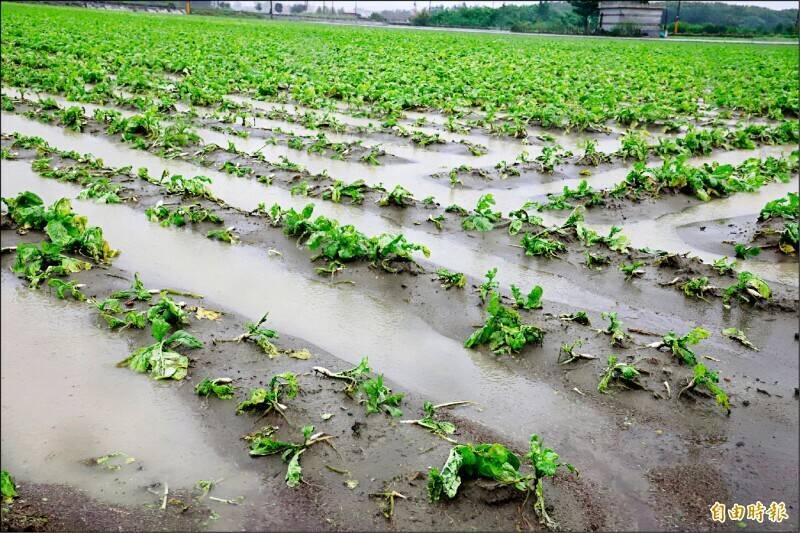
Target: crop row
[339,244]
[552,83]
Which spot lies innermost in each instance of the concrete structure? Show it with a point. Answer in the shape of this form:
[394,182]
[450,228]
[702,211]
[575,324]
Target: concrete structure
[645,17]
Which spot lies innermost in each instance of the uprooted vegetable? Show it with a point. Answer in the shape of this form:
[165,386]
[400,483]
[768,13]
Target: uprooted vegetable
[749,289]
[705,378]
[260,336]
[440,428]
[290,452]
[579,317]
[614,329]
[496,462]
[738,335]
[375,396]
[616,370]
[159,359]
[354,376]
[451,279]
[567,353]
[680,345]
[378,397]
[219,387]
[281,387]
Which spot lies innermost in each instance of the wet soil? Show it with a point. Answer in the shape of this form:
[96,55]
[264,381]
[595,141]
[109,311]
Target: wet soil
[635,448]
[63,508]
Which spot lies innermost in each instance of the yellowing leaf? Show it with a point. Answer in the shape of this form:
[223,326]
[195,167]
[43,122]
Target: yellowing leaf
[207,314]
[301,354]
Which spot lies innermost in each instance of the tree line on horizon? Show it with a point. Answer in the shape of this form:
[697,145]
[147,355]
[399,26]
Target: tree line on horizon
[582,16]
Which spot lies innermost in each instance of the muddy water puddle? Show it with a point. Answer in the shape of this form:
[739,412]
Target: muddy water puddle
[247,194]
[664,232]
[448,253]
[64,401]
[351,324]
[414,174]
[348,323]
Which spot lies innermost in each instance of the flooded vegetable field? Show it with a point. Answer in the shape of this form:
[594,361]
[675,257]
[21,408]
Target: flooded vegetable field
[269,275]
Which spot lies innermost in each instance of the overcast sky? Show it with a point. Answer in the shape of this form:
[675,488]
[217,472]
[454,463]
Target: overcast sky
[378,5]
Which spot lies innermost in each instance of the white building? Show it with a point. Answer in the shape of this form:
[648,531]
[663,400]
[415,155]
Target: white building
[633,15]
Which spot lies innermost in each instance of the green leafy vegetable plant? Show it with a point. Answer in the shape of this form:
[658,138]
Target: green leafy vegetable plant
[614,329]
[632,270]
[38,262]
[378,397]
[697,287]
[489,285]
[290,452]
[746,252]
[66,229]
[723,267]
[338,190]
[738,335]
[224,235]
[399,196]
[705,378]
[137,291]
[535,245]
[504,331]
[749,288]
[451,279]
[496,462]
[482,218]
[7,487]
[533,300]
[63,288]
[159,359]
[102,191]
[596,261]
[787,208]
[789,238]
[680,345]
[180,215]
[219,387]
[260,336]
[281,387]
[616,370]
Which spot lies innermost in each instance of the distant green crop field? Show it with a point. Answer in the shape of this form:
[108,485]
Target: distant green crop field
[549,81]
